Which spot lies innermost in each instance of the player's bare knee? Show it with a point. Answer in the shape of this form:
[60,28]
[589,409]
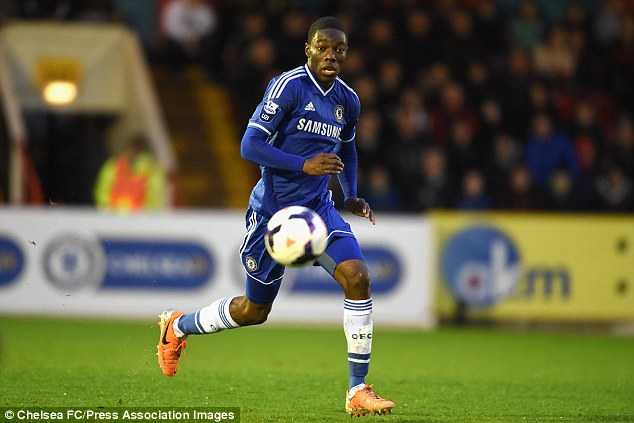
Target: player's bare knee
[356,281]
[254,314]
[359,283]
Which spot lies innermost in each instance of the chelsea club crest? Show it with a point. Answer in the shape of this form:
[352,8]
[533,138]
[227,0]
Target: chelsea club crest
[339,113]
[251,264]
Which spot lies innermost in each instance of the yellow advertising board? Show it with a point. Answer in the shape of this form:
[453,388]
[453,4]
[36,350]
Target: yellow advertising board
[540,267]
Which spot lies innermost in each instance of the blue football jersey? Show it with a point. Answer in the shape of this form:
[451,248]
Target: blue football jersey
[300,118]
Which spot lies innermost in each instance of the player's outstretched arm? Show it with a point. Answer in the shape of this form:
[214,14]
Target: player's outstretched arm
[255,148]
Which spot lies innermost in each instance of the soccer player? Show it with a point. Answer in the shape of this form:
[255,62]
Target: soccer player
[302,132]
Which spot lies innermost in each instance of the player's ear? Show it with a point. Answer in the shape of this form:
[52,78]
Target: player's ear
[307,49]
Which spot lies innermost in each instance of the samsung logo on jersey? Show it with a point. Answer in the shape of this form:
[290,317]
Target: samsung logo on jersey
[319,128]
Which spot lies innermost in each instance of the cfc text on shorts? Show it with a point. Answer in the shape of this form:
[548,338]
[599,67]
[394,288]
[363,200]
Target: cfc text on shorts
[135,414]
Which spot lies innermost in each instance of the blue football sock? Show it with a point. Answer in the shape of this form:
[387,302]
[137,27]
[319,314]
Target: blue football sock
[187,324]
[355,380]
[213,318]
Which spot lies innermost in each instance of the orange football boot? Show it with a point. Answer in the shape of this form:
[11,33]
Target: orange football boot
[170,346]
[366,401]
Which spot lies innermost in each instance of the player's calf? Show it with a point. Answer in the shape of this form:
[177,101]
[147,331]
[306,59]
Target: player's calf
[247,313]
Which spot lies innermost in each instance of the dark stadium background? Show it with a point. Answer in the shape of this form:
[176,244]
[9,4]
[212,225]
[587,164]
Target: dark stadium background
[508,104]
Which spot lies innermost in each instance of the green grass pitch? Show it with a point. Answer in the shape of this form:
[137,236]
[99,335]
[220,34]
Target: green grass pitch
[283,374]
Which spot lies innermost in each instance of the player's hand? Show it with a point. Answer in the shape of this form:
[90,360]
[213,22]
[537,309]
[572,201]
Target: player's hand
[360,207]
[323,164]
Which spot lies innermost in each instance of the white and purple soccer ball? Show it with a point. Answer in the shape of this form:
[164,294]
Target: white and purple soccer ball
[295,236]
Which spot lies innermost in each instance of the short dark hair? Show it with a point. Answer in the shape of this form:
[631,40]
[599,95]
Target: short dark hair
[325,22]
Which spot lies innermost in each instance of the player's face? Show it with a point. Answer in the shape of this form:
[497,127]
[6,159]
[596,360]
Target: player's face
[326,53]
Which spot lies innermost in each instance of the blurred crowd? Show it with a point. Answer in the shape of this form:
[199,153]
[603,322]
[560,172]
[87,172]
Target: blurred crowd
[480,104]
[470,104]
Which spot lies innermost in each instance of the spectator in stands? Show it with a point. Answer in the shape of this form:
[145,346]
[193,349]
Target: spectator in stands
[521,194]
[367,90]
[257,66]
[453,107]
[547,151]
[576,17]
[479,85]
[490,25]
[411,104]
[527,28]
[514,96]
[251,27]
[561,192]
[380,191]
[556,58]
[623,71]
[615,191]
[553,11]
[433,81]
[407,146]
[609,22]
[587,137]
[473,192]
[621,151]
[587,142]
[420,49]
[540,101]
[355,65]
[260,60]
[432,185]
[390,82]
[463,153]
[369,142]
[461,46]
[292,33]
[132,180]
[506,156]
[189,26]
[491,125]
[381,40]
